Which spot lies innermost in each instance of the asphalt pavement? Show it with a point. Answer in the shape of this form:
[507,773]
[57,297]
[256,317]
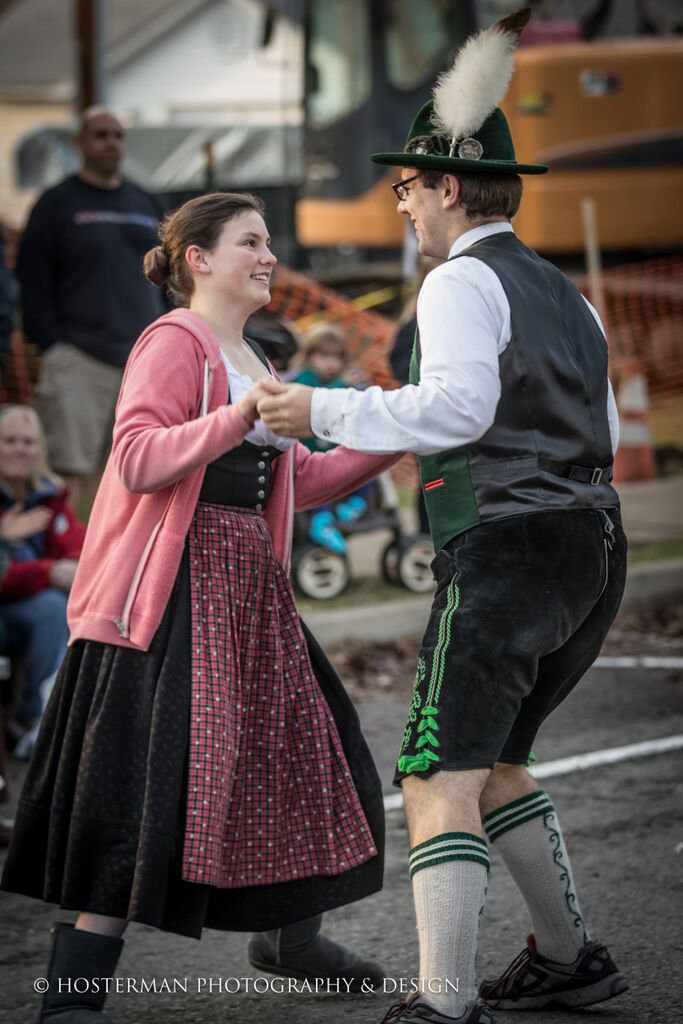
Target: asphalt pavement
[623,828]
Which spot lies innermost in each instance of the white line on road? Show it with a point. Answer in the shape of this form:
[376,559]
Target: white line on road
[580,762]
[637,661]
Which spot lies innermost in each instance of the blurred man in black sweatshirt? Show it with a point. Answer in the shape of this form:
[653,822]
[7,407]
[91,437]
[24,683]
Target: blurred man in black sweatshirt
[84,297]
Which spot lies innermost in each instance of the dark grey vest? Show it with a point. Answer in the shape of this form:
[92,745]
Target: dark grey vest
[549,446]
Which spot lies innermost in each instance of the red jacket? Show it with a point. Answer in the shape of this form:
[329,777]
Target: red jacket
[63,538]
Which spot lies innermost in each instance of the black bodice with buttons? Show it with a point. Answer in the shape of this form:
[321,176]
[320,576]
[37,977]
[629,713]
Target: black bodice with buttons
[241,477]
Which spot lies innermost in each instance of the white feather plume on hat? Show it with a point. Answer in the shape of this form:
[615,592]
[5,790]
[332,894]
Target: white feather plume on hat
[472,89]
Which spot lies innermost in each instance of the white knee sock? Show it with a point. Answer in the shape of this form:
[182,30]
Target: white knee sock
[528,836]
[449,874]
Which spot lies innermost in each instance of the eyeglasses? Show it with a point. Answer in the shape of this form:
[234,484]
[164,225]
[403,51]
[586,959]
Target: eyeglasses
[400,189]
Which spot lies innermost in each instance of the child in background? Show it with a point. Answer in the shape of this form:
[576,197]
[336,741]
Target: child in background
[323,363]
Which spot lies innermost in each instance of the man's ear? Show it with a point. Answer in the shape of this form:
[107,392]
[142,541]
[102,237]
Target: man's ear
[451,191]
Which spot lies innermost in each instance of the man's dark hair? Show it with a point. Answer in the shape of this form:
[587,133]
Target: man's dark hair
[483,195]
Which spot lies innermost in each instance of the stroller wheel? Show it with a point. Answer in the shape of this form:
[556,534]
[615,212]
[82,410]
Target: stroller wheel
[390,557]
[408,563]
[318,573]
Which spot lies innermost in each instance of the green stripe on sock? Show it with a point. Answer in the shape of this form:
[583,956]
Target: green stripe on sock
[495,834]
[432,860]
[522,801]
[517,817]
[449,836]
[448,846]
[516,813]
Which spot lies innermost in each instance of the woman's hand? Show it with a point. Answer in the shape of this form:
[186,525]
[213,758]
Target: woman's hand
[288,410]
[62,573]
[248,403]
[16,525]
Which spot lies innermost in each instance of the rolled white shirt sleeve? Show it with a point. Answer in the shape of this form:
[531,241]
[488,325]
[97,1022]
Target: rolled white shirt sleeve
[461,335]
[464,320]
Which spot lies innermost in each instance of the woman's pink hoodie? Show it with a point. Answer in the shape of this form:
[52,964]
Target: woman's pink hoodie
[172,418]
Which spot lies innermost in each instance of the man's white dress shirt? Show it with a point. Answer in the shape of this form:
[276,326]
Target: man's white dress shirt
[463,317]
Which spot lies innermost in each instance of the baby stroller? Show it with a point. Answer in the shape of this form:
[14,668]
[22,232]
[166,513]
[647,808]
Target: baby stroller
[317,571]
[320,573]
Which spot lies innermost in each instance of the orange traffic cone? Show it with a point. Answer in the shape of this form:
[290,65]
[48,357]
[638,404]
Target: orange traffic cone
[635,457]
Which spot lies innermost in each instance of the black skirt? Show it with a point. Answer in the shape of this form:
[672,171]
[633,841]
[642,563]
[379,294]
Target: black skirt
[100,821]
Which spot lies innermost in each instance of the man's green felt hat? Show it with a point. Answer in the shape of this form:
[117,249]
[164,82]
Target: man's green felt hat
[489,150]
[462,128]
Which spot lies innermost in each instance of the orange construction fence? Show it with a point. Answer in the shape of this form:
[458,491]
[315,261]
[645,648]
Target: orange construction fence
[369,335]
[643,318]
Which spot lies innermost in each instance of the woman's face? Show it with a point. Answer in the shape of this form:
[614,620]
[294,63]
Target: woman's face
[19,448]
[241,263]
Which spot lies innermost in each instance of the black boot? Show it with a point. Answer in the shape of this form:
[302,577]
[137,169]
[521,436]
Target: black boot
[80,964]
[300,951]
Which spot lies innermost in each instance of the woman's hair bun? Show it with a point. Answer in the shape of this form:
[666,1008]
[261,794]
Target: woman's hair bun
[156,265]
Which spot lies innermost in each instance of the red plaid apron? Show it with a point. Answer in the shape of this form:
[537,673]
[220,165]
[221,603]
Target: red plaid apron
[270,796]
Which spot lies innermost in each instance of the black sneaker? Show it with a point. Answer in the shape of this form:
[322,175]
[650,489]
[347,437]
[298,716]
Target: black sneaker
[417,1010]
[532,981]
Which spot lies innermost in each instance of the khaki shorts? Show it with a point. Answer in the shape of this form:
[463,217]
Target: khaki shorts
[75,399]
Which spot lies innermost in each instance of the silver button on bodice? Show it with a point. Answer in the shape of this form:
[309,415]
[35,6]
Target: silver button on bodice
[261,465]
[260,494]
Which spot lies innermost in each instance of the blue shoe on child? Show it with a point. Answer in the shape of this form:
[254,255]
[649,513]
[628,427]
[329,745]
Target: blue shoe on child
[324,532]
[351,509]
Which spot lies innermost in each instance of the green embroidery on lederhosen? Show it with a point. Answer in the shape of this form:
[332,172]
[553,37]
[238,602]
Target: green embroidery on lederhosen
[420,673]
[427,743]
